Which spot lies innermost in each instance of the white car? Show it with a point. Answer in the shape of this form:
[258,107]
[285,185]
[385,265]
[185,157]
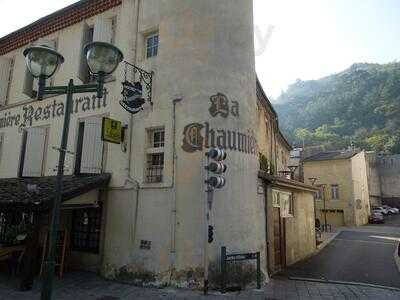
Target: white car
[391,210]
[381,210]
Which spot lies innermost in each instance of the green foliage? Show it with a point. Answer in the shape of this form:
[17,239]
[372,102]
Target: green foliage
[359,106]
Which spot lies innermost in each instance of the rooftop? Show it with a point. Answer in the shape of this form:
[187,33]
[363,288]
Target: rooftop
[332,155]
[54,22]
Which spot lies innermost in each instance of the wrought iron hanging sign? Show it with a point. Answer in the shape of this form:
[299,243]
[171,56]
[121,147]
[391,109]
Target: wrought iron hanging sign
[133,97]
[132,91]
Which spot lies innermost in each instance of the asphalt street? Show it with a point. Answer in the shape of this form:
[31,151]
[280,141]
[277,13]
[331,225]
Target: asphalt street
[355,256]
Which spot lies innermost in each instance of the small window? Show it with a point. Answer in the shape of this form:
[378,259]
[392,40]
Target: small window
[335,191]
[86,227]
[156,138]
[318,195]
[155,155]
[152,45]
[155,168]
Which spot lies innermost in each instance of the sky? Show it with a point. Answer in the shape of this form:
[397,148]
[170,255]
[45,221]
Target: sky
[294,39]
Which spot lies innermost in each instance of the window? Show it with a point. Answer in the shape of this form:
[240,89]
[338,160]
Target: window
[34,150]
[155,168]
[152,45]
[86,227]
[335,191]
[319,194]
[89,149]
[1,145]
[6,74]
[156,138]
[86,38]
[155,155]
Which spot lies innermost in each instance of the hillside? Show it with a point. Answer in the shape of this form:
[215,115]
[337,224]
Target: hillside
[359,106]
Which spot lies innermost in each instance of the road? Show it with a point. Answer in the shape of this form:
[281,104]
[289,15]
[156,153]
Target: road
[356,255]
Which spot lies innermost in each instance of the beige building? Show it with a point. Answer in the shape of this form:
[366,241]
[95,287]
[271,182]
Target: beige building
[138,207]
[345,193]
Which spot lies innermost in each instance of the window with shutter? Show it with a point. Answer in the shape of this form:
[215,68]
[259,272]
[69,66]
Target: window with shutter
[5,77]
[103,30]
[91,158]
[87,37]
[1,146]
[34,152]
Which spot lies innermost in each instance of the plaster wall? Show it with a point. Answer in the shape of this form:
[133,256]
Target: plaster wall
[389,171]
[300,229]
[360,188]
[334,172]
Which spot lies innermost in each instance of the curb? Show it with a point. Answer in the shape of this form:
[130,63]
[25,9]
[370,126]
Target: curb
[326,242]
[345,283]
[396,256]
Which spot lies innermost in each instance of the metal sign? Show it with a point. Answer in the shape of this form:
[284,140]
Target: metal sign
[111,131]
[133,97]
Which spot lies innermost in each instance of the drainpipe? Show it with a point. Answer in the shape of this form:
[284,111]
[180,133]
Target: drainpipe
[174,171]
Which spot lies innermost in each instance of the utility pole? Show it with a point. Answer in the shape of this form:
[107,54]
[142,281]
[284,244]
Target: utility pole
[214,180]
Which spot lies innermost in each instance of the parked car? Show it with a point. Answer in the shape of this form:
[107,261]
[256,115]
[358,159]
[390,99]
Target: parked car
[391,210]
[380,209]
[376,218]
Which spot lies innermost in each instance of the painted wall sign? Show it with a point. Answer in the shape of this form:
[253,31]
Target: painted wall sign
[197,139]
[197,136]
[111,131]
[220,105]
[48,110]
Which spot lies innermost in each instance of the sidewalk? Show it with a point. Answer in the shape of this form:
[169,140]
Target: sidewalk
[81,285]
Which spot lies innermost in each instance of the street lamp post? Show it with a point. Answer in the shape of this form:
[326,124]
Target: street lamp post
[43,62]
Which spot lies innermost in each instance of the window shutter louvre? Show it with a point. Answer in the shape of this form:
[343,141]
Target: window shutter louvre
[28,84]
[83,73]
[1,145]
[34,152]
[103,30]
[92,148]
[5,69]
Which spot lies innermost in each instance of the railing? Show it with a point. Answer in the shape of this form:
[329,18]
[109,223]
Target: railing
[231,258]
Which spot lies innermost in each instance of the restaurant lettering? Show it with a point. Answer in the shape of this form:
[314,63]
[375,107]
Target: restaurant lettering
[50,110]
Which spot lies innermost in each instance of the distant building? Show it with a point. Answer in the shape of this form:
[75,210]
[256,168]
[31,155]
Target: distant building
[345,189]
[388,170]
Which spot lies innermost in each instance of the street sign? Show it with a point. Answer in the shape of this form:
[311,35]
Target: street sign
[111,131]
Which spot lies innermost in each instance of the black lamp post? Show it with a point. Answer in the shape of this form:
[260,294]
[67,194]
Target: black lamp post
[43,62]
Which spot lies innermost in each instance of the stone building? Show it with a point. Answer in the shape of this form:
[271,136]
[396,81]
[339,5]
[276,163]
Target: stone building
[344,179]
[387,168]
[139,206]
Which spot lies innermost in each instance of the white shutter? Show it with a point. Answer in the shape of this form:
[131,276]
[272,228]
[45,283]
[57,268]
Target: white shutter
[1,145]
[34,152]
[92,147]
[103,30]
[5,69]
[83,73]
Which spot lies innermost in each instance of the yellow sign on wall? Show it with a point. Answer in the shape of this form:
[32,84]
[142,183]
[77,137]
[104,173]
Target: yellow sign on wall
[111,131]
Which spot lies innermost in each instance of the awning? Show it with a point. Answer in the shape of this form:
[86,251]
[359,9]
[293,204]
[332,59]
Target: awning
[87,200]
[29,194]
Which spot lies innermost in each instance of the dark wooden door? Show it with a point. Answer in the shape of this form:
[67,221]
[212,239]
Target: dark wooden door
[279,241]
